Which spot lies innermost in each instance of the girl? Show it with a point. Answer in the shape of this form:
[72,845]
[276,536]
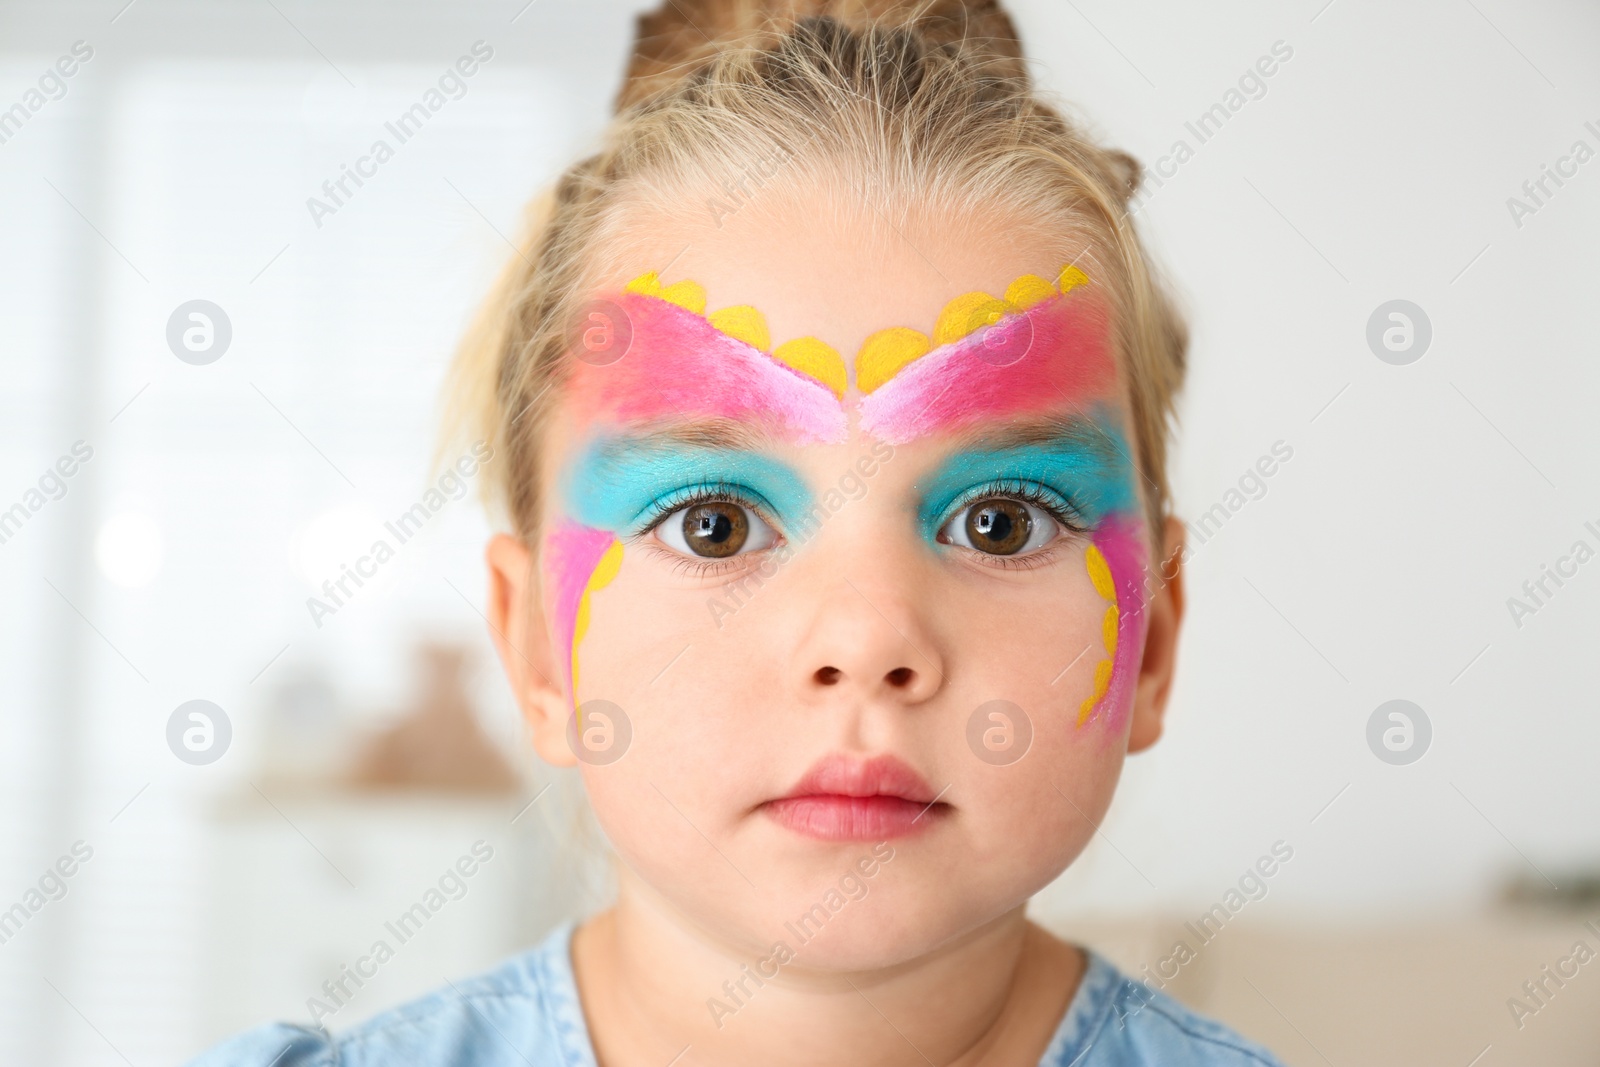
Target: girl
[829,404]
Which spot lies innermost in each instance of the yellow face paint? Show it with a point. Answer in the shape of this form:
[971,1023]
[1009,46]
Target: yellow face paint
[885,352]
[882,355]
[745,323]
[1071,278]
[968,314]
[1028,290]
[691,296]
[806,355]
[1100,576]
[610,563]
[815,359]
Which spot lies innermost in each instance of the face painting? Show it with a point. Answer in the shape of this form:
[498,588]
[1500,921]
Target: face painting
[686,367]
[1025,383]
[1080,472]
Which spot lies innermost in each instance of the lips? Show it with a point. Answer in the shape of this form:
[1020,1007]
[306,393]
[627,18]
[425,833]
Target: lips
[844,798]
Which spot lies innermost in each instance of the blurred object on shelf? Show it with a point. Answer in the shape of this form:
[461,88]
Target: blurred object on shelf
[306,731]
[438,744]
[1575,889]
[356,822]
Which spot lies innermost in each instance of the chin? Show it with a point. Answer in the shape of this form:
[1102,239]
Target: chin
[881,930]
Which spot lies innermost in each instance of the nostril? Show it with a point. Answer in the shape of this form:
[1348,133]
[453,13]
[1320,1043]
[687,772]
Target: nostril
[900,677]
[828,675]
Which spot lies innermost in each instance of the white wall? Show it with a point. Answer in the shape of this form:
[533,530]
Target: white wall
[1376,166]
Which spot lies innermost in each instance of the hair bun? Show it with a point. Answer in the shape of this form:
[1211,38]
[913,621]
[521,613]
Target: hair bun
[679,36]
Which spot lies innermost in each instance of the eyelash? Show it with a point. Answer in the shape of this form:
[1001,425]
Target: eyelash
[1050,502]
[663,508]
[1053,504]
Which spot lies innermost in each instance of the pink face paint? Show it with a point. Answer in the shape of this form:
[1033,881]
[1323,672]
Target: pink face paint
[1055,352]
[577,560]
[678,364]
[1121,542]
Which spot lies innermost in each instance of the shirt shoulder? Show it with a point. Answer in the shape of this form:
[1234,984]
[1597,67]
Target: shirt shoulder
[524,1013]
[1115,1021]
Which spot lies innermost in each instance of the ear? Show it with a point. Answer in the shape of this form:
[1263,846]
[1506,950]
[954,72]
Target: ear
[522,637]
[1165,614]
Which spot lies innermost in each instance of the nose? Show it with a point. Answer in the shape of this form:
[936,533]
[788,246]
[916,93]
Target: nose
[870,640]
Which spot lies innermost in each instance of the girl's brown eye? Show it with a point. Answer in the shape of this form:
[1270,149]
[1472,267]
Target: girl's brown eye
[998,526]
[1001,526]
[715,529]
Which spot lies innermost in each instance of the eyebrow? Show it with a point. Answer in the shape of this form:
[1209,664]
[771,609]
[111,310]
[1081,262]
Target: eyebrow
[1061,428]
[619,476]
[721,434]
[1086,452]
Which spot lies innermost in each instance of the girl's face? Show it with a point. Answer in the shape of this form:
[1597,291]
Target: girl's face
[840,596]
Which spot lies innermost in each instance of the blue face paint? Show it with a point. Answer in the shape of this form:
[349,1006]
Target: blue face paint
[1084,472]
[622,484]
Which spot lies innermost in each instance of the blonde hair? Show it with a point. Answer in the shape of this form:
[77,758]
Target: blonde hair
[930,99]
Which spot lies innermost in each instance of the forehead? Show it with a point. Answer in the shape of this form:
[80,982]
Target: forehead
[830,262]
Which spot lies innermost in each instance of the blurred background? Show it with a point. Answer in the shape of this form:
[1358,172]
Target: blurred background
[1383,219]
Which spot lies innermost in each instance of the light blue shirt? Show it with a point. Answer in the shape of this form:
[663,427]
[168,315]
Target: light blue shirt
[527,1014]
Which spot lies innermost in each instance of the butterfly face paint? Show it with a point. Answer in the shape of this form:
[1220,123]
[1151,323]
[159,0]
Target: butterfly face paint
[1083,472]
[1053,352]
[578,560]
[1116,562]
[679,365]
[1037,349]
[682,365]
[1042,348]
[620,485]
[1081,465]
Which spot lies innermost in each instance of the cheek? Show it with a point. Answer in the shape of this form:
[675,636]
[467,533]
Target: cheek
[700,704]
[1063,645]
[696,694]
[653,637]
[1065,653]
